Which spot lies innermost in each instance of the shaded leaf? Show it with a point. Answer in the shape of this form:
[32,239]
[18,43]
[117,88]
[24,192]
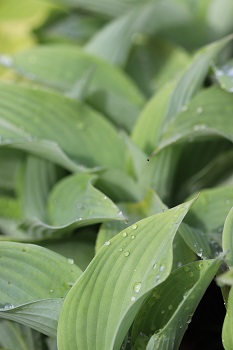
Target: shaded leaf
[227,240]
[140,247]
[14,336]
[169,309]
[227,331]
[114,41]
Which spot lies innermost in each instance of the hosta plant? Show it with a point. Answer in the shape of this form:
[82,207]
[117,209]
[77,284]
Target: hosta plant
[116,173]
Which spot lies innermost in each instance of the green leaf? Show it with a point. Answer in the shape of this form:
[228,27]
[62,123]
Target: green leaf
[45,274]
[14,336]
[174,98]
[169,308]
[110,90]
[164,62]
[114,41]
[208,115]
[133,212]
[41,315]
[227,331]
[145,247]
[73,202]
[226,279]
[210,211]
[224,76]
[79,247]
[227,241]
[40,176]
[84,202]
[110,8]
[29,113]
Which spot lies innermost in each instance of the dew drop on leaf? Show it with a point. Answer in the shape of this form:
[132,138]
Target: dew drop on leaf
[127,253]
[71,261]
[134,227]
[124,234]
[133,298]
[137,286]
[107,243]
[162,268]
[199,110]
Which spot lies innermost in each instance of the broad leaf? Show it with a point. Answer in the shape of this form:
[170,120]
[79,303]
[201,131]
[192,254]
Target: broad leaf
[28,113]
[168,310]
[208,115]
[133,212]
[64,67]
[14,336]
[124,270]
[41,315]
[174,98]
[83,201]
[45,274]
[114,41]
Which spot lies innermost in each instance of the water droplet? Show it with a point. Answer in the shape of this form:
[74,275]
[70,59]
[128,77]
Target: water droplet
[186,268]
[199,110]
[80,126]
[124,234]
[71,261]
[8,306]
[105,197]
[184,108]
[51,290]
[120,213]
[200,127]
[137,286]
[134,227]
[162,268]
[127,253]
[120,249]
[6,60]
[163,311]
[170,307]
[107,243]
[154,266]
[132,237]
[179,264]
[133,298]
[157,277]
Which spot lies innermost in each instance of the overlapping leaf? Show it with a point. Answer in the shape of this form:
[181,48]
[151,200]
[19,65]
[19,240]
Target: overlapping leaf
[62,67]
[169,309]
[46,275]
[136,255]
[27,114]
